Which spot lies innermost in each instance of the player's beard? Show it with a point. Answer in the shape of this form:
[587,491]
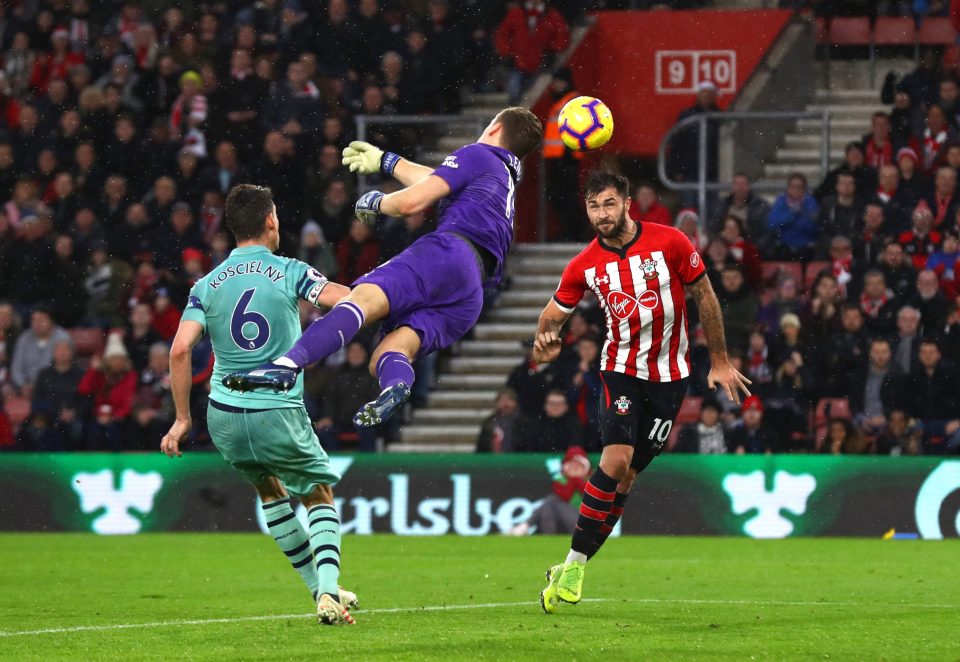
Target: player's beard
[616,229]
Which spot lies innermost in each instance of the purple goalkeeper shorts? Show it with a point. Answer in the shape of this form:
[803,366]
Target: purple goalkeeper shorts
[434,286]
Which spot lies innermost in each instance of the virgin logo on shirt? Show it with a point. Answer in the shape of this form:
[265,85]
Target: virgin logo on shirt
[622,305]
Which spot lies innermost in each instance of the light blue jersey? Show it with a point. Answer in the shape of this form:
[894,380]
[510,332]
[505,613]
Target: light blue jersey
[249,306]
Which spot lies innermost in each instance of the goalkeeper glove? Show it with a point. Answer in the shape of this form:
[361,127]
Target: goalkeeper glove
[366,159]
[368,207]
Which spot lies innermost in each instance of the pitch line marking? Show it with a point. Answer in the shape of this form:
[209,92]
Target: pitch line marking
[486,605]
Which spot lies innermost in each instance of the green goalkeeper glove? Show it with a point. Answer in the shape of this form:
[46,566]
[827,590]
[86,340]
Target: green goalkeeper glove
[366,159]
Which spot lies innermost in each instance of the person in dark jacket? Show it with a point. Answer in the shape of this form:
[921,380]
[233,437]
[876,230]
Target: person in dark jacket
[933,396]
[876,389]
[349,388]
[498,430]
[553,431]
[753,435]
[739,305]
[751,210]
[684,148]
[706,436]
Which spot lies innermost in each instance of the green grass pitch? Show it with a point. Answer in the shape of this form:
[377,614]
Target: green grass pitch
[234,597]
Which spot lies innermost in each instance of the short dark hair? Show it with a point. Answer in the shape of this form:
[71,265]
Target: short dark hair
[521,130]
[246,210]
[600,180]
[797,175]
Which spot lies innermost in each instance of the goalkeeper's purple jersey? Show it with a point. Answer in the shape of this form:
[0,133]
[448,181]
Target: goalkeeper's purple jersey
[483,183]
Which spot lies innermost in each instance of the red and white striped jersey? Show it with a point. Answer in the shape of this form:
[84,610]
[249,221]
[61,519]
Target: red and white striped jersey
[641,290]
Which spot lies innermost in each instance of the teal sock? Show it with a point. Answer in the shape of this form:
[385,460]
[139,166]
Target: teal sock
[325,540]
[286,530]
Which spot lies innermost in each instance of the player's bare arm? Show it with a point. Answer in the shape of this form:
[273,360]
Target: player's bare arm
[332,294]
[366,159]
[547,343]
[188,335]
[722,373]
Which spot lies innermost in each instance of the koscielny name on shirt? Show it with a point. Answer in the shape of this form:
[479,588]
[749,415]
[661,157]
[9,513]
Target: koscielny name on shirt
[251,267]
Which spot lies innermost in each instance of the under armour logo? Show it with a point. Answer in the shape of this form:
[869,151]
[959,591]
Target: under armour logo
[748,492]
[136,492]
[603,280]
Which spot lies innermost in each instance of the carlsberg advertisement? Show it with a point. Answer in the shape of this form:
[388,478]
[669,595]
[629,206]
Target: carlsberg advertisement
[472,495]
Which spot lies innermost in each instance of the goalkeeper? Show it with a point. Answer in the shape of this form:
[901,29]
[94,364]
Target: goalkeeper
[431,294]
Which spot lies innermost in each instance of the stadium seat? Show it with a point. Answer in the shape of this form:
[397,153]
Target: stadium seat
[854,31]
[772,271]
[894,32]
[689,411]
[828,408]
[823,33]
[811,272]
[951,59]
[936,31]
[87,342]
[18,410]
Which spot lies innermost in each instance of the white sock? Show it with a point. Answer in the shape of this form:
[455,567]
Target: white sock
[285,362]
[576,556]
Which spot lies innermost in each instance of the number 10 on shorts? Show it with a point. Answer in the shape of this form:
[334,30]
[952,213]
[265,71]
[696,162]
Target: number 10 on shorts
[660,431]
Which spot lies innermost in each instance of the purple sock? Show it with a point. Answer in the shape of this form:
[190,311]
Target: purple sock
[327,334]
[393,368]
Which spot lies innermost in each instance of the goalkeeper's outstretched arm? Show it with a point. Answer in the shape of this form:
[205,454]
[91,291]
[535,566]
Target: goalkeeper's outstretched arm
[366,159]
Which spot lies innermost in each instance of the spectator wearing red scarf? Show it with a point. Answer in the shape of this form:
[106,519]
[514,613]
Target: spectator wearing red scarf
[55,65]
[878,150]
[942,201]
[937,138]
[111,380]
[919,242]
[743,251]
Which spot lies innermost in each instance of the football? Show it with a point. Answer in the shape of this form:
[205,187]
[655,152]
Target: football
[585,123]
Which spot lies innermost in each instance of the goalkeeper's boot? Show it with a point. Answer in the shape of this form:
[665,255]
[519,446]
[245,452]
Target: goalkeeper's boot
[390,400]
[267,376]
[331,612]
[570,582]
[548,596]
[348,598]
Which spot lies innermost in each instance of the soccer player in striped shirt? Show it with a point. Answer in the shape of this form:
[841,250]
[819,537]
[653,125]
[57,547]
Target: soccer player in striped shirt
[641,274]
[249,306]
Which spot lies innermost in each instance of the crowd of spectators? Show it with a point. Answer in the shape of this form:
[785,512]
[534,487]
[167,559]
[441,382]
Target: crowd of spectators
[841,302]
[124,124]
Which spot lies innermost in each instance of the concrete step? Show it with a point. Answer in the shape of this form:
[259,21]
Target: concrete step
[432,447]
[483,113]
[449,399]
[865,96]
[492,365]
[535,281]
[532,297]
[841,111]
[806,155]
[541,250]
[455,141]
[840,125]
[515,315]
[491,348]
[468,383]
[502,331]
[812,141]
[501,99]
[539,265]
[440,434]
[471,416]
[781,171]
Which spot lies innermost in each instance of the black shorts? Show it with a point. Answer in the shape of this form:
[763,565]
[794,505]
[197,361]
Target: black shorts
[639,413]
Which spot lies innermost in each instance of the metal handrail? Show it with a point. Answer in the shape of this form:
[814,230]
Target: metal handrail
[363,121]
[701,186]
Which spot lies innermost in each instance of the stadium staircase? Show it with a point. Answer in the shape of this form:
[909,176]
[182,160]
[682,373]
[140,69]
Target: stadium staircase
[847,93]
[466,390]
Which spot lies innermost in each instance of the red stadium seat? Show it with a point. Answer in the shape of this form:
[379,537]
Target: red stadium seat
[812,271]
[18,410]
[936,31]
[773,271]
[823,33]
[87,342]
[850,32]
[951,58]
[894,32]
[689,411]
